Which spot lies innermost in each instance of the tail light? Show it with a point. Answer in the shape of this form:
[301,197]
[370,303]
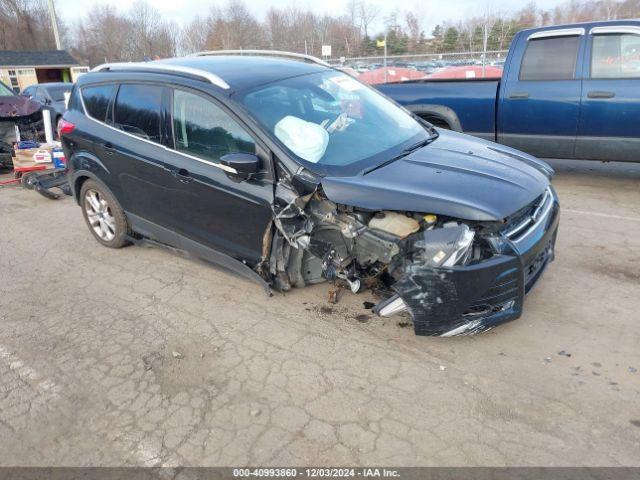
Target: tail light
[65,127]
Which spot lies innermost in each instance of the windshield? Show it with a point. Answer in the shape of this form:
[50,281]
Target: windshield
[57,93]
[5,91]
[332,123]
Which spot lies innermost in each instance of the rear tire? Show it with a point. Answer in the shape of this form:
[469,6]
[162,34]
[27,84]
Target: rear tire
[103,214]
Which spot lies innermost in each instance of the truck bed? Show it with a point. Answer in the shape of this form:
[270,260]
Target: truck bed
[462,105]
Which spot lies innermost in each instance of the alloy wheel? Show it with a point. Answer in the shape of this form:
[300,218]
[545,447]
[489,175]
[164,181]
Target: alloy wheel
[99,215]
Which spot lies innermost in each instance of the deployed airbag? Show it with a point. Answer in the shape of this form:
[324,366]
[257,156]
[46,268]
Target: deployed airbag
[306,139]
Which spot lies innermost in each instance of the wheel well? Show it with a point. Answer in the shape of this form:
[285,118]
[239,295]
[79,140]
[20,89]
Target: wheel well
[77,186]
[435,120]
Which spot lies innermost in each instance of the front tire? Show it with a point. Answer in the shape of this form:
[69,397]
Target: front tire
[104,215]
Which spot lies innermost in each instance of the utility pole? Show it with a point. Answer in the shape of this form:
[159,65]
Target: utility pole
[54,24]
[485,39]
[385,58]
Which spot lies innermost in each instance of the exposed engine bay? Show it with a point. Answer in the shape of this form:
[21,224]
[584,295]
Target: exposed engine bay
[411,259]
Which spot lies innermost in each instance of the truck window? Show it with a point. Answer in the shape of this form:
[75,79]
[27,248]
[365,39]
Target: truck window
[137,111]
[551,58]
[616,56]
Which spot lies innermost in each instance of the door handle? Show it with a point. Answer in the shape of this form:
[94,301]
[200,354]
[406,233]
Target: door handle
[182,175]
[600,94]
[521,95]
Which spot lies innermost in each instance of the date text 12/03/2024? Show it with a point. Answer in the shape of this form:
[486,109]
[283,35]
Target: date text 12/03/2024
[316,473]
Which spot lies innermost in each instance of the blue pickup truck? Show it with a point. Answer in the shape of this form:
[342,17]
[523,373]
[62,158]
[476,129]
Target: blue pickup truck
[570,91]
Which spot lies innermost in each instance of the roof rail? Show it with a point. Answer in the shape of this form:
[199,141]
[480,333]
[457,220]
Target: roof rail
[268,53]
[163,67]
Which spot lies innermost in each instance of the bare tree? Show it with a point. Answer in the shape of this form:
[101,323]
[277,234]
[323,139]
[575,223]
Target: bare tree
[103,36]
[367,13]
[25,25]
[414,30]
[193,37]
[610,9]
[107,34]
[234,27]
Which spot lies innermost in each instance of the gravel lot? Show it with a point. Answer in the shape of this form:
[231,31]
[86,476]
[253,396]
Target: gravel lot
[142,357]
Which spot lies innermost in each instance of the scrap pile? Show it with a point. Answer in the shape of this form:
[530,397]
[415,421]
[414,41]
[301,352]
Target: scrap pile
[40,166]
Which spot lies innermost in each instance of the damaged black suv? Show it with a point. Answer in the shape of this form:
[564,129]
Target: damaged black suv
[292,173]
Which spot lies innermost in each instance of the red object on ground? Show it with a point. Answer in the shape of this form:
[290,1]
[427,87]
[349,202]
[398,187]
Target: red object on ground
[9,182]
[468,72]
[394,74]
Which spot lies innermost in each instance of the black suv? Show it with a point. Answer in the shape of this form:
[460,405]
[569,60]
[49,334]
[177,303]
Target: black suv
[291,173]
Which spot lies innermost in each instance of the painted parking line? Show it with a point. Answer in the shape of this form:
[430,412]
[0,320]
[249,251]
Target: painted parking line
[145,453]
[28,374]
[598,214]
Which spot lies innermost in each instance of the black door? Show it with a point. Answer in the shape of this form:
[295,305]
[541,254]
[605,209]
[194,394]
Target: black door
[208,204]
[137,153]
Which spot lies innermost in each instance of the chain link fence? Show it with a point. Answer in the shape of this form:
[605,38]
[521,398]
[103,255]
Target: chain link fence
[472,64]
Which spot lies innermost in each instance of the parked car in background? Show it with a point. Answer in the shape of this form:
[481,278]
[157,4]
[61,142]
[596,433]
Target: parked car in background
[389,74]
[17,112]
[569,91]
[468,71]
[426,66]
[299,174]
[51,96]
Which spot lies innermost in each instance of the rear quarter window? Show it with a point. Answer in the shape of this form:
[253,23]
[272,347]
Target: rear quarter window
[96,100]
[74,100]
[137,111]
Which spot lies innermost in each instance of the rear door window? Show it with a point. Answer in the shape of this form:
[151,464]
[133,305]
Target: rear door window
[203,129]
[137,111]
[550,58]
[96,100]
[616,56]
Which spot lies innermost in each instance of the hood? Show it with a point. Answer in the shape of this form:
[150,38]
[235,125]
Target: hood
[456,175]
[17,106]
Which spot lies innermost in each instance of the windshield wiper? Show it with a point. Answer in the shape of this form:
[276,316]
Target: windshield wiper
[404,153]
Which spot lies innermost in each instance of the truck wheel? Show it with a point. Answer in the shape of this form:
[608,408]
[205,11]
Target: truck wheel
[104,215]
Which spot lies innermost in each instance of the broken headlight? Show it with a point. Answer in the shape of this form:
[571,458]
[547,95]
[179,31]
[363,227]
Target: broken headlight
[446,246]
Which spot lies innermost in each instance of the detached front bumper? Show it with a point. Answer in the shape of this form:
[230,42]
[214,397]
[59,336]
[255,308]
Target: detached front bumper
[469,299]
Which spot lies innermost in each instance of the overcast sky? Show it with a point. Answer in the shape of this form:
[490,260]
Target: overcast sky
[431,12]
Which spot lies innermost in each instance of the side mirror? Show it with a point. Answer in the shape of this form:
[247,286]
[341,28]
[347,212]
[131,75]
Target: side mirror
[244,163]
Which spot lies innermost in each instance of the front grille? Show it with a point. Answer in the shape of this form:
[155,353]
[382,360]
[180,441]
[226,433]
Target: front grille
[526,221]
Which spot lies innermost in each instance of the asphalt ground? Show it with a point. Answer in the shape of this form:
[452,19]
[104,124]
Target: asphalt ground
[142,357]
